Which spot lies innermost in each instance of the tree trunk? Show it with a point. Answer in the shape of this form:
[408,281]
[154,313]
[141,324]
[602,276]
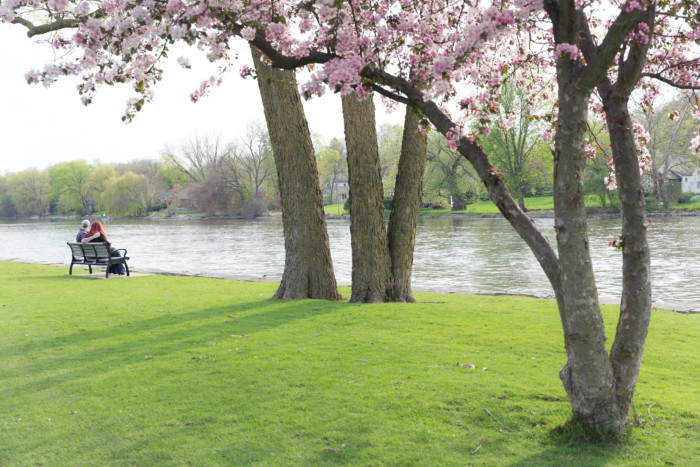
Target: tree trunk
[611,198]
[458,202]
[308,268]
[371,267]
[588,375]
[404,209]
[663,194]
[635,306]
[521,203]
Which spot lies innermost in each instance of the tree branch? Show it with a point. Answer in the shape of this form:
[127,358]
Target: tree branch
[670,82]
[601,58]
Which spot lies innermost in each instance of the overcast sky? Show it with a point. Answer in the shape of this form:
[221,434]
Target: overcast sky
[43,126]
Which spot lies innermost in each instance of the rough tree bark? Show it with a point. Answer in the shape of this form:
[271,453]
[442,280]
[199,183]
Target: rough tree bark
[660,182]
[404,209]
[308,268]
[587,377]
[371,271]
[635,306]
[382,257]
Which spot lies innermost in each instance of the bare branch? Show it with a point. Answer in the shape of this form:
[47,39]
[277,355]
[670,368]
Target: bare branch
[670,82]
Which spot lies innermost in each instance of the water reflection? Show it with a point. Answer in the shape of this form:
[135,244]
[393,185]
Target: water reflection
[466,254]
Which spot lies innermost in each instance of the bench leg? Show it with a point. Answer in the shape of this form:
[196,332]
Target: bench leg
[127,269]
[90,267]
[70,271]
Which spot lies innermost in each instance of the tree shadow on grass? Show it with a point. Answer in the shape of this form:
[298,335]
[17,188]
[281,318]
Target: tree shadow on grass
[130,342]
[568,449]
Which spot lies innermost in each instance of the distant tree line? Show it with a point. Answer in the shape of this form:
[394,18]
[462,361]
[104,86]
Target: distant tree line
[232,178]
[239,177]
[82,188]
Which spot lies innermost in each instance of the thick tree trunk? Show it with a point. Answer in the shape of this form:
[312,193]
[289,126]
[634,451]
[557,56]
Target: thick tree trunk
[458,202]
[588,375]
[635,306]
[308,268]
[404,210]
[371,263]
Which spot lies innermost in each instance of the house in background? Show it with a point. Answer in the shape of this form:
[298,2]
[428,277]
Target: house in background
[691,182]
[185,198]
[341,190]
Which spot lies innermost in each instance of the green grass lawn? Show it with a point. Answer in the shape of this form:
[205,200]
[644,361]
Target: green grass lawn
[164,370]
[335,209]
[690,207]
[540,203]
[487,208]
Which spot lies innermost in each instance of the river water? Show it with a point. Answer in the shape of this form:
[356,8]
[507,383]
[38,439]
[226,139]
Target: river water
[452,254]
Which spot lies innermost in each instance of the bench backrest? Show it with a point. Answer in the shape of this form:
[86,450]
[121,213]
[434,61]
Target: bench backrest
[90,251]
[76,250]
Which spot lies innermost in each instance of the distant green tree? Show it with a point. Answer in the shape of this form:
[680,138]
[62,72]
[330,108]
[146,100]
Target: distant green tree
[332,166]
[71,187]
[449,176]
[29,191]
[153,187]
[7,209]
[597,173]
[170,173]
[389,138]
[513,143]
[126,195]
[100,179]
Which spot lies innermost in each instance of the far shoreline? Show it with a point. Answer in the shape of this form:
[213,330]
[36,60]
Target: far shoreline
[278,214]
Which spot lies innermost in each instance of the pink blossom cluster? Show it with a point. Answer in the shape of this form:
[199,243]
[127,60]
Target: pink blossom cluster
[453,136]
[57,6]
[641,139]
[204,88]
[634,5]
[246,71]
[548,135]
[570,49]
[591,152]
[638,36]
[695,143]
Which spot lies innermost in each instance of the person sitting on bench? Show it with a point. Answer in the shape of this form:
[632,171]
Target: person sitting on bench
[83,232]
[97,234]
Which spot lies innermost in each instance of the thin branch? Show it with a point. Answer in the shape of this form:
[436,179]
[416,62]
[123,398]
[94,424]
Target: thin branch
[496,420]
[649,411]
[596,140]
[669,81]
[391,95]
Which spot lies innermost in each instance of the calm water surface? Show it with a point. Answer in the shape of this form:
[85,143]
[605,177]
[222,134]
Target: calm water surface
[460,254]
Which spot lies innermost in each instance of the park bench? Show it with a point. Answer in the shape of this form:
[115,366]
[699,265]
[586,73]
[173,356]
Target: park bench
[95,254]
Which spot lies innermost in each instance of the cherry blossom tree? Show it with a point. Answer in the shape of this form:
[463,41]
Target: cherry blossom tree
[447,59]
